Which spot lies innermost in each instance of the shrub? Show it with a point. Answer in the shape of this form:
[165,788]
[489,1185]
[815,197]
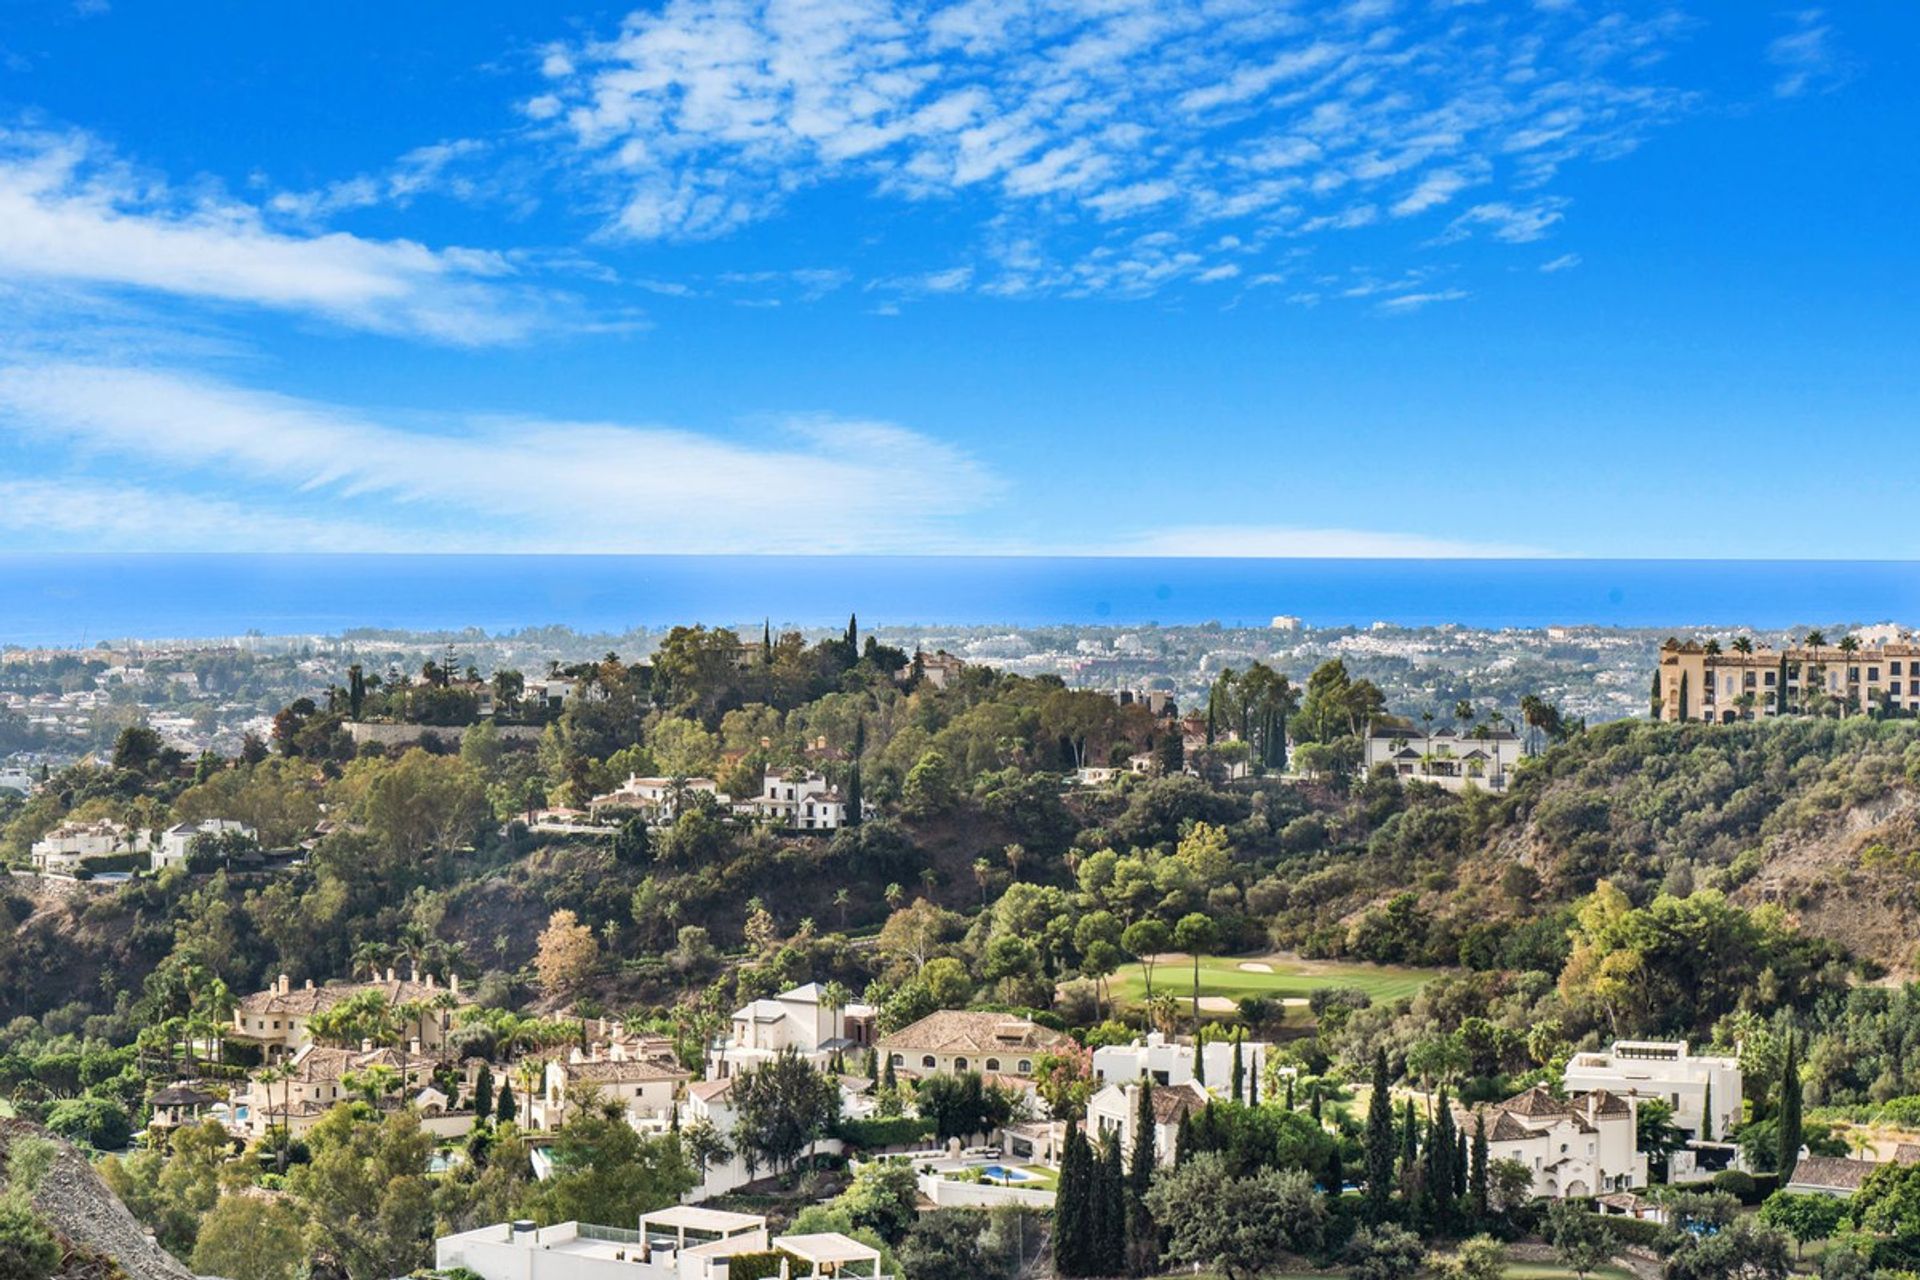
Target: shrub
[1737,1183]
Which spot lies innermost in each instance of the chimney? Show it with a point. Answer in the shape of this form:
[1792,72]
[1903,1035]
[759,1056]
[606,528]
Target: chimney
[413,972]
[453,983]
[309,984]
[413,1046]
[431,982]
[366,1045]
[285,984]
[389,973]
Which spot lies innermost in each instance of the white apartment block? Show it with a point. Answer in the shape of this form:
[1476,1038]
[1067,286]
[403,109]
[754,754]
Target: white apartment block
[1692,1084]
[1169,1062]
[1445,758]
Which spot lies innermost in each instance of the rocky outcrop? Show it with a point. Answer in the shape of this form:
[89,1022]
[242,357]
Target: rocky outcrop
[88,1217]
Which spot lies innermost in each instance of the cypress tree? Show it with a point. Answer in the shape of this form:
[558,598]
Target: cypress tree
[1684,698]
[873,1067]
[1409,1140]
[1780,687]
[1790,1127]
[1072,1205]
[1706,1112]
[1110,1245]
[1313,1104]
[1199,1058]
[1143,1234]
[503,1109]
[853,636]
[766,643]
[888,1079]
[1440,1156]
[1477,1182]
[1183,1139]
[1336,1176]
[1379,1142]
[1655,703]
[1461,1159]
[1253,1087]
[1239,1093]
[483,1091]
[1289,1093]
[856,798]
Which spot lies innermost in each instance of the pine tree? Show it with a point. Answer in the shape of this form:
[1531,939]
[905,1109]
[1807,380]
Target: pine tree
[1239,1088]
[1790,1101]
[1072,1205]
[1379,1142]
[1477,1181]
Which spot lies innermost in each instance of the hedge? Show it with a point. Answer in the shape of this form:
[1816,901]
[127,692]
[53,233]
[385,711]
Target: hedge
[759,1266]
[896,1131]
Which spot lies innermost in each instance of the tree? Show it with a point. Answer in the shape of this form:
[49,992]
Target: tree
[782,1107]
[503,1108]
[882,1198]
[1656,1135]
[249,1238]
[27,1249]
[1741,1250]
[483,1091]
[1144,940]
[1235,1225]
[1380,1141]
[1073,1207]
[1479,1258]
[1579,1239]
[1804,1218]
[1384,1251]
[567,953]
[1791,1137]
[606,1171]
[1479,1188]
[1196,934]
[1143,1233]
[365,1192]
[962,1105]
[1888,1202]
[1109,1237]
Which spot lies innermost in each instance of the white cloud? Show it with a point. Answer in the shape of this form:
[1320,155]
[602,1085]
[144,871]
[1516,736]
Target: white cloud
[1565,262]
[72,216]
[1400,304]
[1515,224]
[1079,128]
[1213,541]
[1805,57]
[302,474]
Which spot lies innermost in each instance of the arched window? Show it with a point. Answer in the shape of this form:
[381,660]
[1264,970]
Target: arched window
[959,1064]
[1026,1067]
[897,1060]
[993,1064]
[928,1062]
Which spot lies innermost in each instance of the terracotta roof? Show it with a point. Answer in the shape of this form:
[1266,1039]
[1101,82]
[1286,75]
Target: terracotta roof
[1907,1153]
[966,1031]
[1537,1102]
[629,1071]
[1174,1101]
[1507,1127]
[311,1000]
[1835,1173]
[708,1090]
[1602,1102]
[182,1095]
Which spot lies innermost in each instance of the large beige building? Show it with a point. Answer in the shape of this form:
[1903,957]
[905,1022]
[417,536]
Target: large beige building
[1721,685]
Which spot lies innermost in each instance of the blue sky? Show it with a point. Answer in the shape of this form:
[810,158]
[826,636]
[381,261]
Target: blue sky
[1207,277]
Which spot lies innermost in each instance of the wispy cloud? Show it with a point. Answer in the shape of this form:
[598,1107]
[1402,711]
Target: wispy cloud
[72,214]
[307,475]
[1282,541]
[1806,58]
[1074,132]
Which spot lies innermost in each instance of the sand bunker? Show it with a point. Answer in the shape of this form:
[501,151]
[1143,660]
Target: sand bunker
[1216,1004]
[1255,966]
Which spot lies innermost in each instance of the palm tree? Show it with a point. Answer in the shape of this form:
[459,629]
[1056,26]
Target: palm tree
[1463,713]
[841,897]
[894,895]
[1743,644]
[982,873]
[530,1072]
[281,1074]
[1015,854]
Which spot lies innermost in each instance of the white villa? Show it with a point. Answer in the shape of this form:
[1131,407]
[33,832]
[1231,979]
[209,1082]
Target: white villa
[1694,1085]
[644,1085]
[62,850]
[1576,1147]
[1169,1062]
[176,842]
[1116,1108]
[1445,758]
[322,1076]
[799,800]
[682,1243]
[656,799]
[801,1020]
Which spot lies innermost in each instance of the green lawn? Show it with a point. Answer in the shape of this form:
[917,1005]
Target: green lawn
[1515,1271]
[1292,978]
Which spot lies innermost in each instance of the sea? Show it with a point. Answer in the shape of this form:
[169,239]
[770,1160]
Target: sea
[82,599]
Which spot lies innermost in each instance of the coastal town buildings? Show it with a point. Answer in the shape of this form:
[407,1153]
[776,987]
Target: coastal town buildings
[1704,1090]
[177,842]
[803,1019]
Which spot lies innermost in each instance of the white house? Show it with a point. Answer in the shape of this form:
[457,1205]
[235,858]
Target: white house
[176,842]
[657,799]
[1694,1085]
[550,692]
[644,1086]
[1116,1108]
[1170,1062]
[17,780]
[63,849]
[956,1040]
[1445,758]
[800,800]
[681,1243]
[1576,1147]
[801,1020]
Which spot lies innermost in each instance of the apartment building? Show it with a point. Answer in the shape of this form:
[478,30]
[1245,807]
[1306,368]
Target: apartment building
[1722,684]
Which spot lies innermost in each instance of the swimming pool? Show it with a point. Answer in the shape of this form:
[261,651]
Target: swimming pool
[1000,1173]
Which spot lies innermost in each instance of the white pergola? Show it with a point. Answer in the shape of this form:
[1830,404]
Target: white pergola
[828,1253]
[673,1228]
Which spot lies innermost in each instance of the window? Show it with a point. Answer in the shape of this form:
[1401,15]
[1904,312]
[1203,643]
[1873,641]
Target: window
[1025,1067]
[897,1060]
[993,1064]
[928,1062]
[1873,675]
[1893,668]
[959,1064]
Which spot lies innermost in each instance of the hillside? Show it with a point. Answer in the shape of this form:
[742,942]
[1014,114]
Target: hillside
[99,1238]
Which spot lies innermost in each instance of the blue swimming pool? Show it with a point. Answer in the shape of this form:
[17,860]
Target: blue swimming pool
[1000,1173]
